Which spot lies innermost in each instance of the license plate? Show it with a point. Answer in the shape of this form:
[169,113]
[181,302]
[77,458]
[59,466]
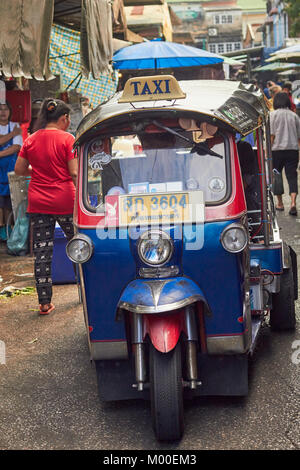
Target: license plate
[161,208]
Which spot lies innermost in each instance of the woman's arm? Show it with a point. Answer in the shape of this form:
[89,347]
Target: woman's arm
[10,150]
[22,167]
[272,140]
[7,137]
[72,167]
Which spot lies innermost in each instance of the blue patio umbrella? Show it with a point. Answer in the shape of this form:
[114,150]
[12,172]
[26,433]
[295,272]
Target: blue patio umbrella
[162,55]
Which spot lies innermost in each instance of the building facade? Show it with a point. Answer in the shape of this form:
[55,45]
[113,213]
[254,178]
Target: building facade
[214,25]
[253,18]
[224,26]
[275,29]
[149,19]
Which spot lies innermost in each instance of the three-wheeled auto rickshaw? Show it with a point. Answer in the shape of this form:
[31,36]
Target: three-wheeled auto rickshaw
[179,252]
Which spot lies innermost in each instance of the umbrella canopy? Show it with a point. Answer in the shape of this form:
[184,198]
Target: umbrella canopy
[290,54]
[289,72]
[162,55]
[275,67]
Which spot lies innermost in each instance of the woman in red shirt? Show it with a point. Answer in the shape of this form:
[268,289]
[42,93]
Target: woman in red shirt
[47,156]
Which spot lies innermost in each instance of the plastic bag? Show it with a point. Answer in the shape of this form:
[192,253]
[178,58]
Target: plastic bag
[17,243]
[277,184]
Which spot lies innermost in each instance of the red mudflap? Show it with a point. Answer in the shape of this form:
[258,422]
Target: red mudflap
[164,330]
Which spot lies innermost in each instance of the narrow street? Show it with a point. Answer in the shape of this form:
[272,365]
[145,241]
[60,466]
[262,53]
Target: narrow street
[154,128]
[48,389]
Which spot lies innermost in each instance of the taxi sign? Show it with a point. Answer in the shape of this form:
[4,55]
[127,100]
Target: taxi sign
[153,88]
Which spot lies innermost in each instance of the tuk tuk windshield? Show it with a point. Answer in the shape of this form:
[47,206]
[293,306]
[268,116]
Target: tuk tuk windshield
[155,162]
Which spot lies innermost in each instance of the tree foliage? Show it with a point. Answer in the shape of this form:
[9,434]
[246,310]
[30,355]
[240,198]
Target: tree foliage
[293,11]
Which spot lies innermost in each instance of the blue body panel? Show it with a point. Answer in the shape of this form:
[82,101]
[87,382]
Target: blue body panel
[214,273]
[269,258]
[106,275]
[220,275]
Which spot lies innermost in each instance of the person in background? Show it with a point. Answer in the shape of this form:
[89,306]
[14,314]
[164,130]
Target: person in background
[273,90]
[47,156]
[287,88]
[266,90]
[285,139]
[10,144]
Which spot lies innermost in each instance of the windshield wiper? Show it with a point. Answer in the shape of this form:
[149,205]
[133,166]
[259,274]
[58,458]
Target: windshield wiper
[200,148]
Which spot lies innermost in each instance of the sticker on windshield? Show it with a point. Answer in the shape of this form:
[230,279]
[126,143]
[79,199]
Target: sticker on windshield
[191,184]
[138,188]
[99,159]
[216,184]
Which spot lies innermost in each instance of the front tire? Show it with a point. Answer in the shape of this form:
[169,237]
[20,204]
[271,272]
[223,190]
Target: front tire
[282,315]
[166,393]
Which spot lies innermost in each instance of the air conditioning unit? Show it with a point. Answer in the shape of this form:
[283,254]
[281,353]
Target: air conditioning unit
[212,32]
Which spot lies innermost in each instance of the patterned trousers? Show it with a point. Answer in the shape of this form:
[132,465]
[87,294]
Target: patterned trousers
[43,226]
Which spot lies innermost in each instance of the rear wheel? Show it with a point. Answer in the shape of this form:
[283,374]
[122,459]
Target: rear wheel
[282,315]
[166,393]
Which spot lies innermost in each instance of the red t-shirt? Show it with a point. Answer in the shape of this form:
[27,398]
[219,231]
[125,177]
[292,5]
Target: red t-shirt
[51,189]
[293,106]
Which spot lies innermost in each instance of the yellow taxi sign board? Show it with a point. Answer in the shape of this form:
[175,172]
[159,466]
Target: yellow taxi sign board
[152,88]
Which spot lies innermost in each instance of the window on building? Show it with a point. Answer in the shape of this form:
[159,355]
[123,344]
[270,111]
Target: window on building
[229,19]
[223,47]
[217,19]
[224,19]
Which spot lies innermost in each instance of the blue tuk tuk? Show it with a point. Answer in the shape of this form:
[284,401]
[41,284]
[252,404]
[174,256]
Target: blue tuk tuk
[177,244]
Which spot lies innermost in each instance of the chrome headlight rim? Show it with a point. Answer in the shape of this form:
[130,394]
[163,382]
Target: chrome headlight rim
[147,235]
[84,238]
[232,227]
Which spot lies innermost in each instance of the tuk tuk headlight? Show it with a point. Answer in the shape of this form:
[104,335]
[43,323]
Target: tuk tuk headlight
[155,247]
[234,238]
[80,248]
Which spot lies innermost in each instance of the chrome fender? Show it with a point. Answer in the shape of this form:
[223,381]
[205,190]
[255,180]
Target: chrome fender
[158,296]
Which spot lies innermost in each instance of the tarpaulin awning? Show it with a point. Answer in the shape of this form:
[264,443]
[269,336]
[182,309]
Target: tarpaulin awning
[96,48]
[24,40]
[65,61]
[25,27]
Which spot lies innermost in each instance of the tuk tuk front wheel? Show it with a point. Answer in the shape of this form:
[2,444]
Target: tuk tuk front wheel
[282,315]
[166,389]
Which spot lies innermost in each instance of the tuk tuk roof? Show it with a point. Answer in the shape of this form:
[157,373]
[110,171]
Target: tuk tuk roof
[236,106]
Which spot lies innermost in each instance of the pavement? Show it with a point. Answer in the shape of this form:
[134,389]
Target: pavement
[48,388]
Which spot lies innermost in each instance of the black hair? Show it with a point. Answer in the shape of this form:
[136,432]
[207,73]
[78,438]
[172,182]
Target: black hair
[51,110]
[281,100]
[287,85]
